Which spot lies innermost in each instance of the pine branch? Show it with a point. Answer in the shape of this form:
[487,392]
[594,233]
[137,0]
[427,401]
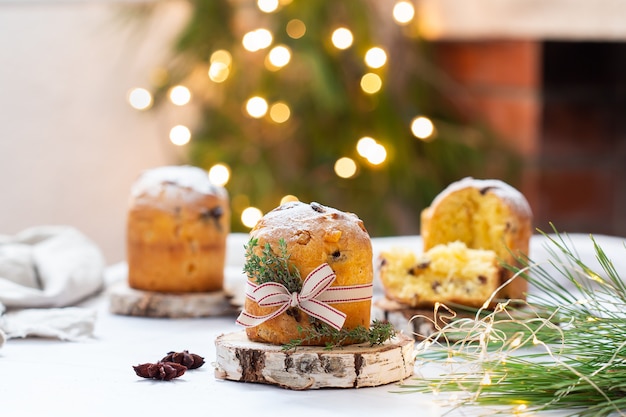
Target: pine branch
[574,358]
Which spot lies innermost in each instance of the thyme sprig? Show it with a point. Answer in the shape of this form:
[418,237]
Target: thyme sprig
[271,266]
[574,358]
[378,333]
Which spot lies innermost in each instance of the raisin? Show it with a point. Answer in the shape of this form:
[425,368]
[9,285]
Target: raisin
[317,207]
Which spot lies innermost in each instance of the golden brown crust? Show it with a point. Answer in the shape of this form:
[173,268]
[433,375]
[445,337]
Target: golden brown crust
[314,234]
[484,214]
[176,238]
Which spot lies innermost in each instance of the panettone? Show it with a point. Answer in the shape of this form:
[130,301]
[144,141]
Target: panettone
[483,214]
[177,226]
[450,273]
[314,235]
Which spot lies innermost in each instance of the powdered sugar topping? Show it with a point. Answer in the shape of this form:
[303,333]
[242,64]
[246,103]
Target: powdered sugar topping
[498,187]
[151,181]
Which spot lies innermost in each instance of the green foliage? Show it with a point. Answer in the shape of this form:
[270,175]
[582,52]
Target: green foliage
[329,113]
[272,267]
[378,333]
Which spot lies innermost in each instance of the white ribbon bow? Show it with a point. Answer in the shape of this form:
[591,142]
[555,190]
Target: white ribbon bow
[313,299]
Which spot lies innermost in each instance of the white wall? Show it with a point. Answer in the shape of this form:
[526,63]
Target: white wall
[70,145]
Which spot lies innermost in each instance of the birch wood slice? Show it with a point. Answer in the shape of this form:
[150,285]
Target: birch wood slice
[313,367]
[128,301]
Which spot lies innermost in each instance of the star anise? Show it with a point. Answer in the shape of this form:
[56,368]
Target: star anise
[163,371]
[188,360]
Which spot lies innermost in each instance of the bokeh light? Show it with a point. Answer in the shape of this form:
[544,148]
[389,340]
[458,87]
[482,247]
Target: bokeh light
[256,107]
[295,28]
[375,57]
[370,149]
[371,83]
[280,112]
[140,98]
[218,72]
[342,38]
[403,12]
[257,39]
[364,146]
[279,56]
[219,174]
[251,216]
[288,198]
[180,95]
[180,135]
[422,127]
[267,6]
[345,167]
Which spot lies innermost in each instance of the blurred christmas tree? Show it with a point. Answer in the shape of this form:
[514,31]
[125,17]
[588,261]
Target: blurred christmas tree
[327,101]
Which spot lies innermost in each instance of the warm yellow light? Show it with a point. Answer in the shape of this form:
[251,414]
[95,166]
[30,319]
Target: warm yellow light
[422,127]
[280,112]
[342,38]
[403,12]
[371,83]
[375,57]
[371,150]
[180,95]
[365,145]
[218,72]
[180,135]
[140,98]
[257,39]
[250,216]
[296,28]
[279,56]
[219,174]
[345,167]
[377,155]
[267,6]
[520,408]
[288,198]
[221,56]
[256,107]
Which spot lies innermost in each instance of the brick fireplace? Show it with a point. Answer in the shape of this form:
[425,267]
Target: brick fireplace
[561,105]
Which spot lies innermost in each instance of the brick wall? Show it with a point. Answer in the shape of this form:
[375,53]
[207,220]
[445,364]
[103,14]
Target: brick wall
[562,107]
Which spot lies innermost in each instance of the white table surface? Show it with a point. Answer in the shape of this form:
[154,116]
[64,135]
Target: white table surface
[41,377]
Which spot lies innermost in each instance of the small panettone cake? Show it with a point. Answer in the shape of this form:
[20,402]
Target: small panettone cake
[484,214]
[308,265]
[177,226]
[470,231]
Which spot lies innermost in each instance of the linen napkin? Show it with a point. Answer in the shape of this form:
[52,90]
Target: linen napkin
[43,270]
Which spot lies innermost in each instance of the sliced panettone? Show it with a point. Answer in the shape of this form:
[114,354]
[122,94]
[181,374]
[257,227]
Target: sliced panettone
[447,273]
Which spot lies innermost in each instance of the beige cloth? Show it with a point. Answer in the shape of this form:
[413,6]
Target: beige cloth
[46,269]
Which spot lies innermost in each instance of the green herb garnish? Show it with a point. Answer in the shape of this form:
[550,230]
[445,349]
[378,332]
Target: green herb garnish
[271,266]
[378,333]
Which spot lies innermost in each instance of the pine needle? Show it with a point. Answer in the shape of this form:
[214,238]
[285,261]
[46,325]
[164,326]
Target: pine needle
[564,350]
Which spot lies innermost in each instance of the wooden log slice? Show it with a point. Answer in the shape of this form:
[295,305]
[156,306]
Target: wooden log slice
[313,367]
[128,301]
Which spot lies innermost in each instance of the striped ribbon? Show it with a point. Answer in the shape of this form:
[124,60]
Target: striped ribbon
[313,299]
